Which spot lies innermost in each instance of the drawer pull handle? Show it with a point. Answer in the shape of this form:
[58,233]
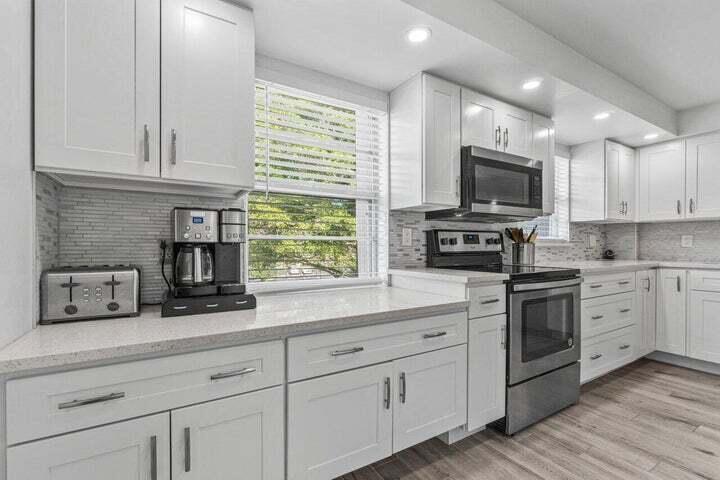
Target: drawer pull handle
[349,351]
[153,457]
[211,305]
[597,317]
[183,307]
[624,282]
[624,347]
[596,356]
[434,335]
[90,401]
[488,302]
[624,310]
[599,285]
[234,373]
[240,302]
[186,435]
[386,399]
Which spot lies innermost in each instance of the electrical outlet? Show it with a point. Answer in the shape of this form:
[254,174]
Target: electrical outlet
[407,237]
[686,241]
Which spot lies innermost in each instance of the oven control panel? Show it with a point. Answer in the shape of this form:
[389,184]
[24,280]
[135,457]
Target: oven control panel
[455,241]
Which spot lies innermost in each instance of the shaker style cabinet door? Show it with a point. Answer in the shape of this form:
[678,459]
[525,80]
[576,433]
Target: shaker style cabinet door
[97,86]
[671,314]
[614,206]
[647,303]
[627,182]
[704,329]
[339,423]
[219,439]
[703,176]
[661,182]
[516,131]
[208,97]
[479,121]
[130,450]
[486,370]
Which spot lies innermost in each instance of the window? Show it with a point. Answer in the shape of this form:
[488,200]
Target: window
[319,168]
[557,225]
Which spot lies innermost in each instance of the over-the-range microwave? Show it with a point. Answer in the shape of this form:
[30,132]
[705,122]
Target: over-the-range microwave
[496,187]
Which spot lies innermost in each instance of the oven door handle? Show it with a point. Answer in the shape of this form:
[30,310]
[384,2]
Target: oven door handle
[524,287]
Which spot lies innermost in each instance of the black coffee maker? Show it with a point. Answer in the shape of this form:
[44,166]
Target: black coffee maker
[207,262]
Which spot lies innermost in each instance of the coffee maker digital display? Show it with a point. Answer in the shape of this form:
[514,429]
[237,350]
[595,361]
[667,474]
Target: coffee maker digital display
[207,262]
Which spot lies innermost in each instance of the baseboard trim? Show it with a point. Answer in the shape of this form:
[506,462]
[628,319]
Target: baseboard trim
[686,362]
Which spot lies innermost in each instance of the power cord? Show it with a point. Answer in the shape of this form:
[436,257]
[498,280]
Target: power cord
[164,247]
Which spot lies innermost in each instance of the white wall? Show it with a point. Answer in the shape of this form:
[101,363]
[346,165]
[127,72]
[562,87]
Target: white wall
[17,284]
[702,119]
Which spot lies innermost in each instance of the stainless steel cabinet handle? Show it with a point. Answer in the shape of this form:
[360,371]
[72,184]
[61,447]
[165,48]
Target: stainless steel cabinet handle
[488,302]
[348,351]
[597,317]
[181,307]
[596,356]
[679,207]
[173,146]
[497,137]
[434,335]
[624,310]
[599,285]
[146,143]
[212,305]
[153,457]
[624,347]
[403,388]
[457,186]
[503,337]
[386,398]
[648,284]
[90,401]
[188,460]
[678,283]
[624,282]
[692,206]
[233,373]
[507,136]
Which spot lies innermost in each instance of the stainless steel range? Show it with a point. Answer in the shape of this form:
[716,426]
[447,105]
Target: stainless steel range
[543,305]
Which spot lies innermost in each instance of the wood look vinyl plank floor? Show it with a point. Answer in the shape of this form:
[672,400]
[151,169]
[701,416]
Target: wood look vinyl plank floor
[646,421]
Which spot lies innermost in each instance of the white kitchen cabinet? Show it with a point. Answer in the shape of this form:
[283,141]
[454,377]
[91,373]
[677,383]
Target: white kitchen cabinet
[671,312]
[480,120]
[431,396]
[703,176]
[97,86]
[543,150]
[218,439]
[661,182]
[130,450]
[602,182]
[208,65]
[704,326]
[425,122]
[516,129]
[339,422]
[647,305]
[487,364]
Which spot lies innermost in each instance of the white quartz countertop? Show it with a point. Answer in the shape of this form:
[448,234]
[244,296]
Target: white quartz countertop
[449,275]
[277,316]
[589,267]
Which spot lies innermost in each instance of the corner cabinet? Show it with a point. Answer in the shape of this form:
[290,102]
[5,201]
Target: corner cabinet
[661,182]
[98,90]
[425,144]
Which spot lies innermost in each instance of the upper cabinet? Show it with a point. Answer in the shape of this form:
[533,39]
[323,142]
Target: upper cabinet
[661,182]
[543,150]
[702,176]
[603,182]
[98,90]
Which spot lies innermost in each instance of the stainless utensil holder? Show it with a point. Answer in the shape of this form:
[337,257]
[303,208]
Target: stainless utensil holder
[523,253]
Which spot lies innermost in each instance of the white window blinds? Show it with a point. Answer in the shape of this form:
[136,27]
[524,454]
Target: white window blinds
[556,226]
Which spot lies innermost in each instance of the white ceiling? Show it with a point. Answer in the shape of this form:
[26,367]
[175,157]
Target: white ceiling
[364,41]
[669,48]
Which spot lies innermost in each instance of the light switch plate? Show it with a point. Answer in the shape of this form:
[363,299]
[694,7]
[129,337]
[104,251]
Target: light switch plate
[686,241]
[407,237]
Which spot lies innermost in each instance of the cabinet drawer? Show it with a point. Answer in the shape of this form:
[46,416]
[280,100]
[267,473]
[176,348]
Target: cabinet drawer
[486,301]
[598,285]
[706,280]
[61,402]
[605,314]
[324,353]
[607,352]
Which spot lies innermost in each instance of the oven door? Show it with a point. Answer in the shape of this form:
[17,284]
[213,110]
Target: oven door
[501,187]
[544,331]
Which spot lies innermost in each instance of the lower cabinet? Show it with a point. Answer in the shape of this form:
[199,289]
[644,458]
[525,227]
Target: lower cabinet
[606,352]
[671,313]
[487,365]
[344,421]
[237,434]
[647,305]
[704,328]
[131,450]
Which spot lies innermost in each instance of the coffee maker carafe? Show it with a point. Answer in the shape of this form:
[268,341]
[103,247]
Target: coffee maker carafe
[194,266]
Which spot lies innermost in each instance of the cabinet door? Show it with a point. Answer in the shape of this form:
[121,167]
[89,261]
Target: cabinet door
[704,318]
[130,450]
[661,182]
[516,127]
[627,182]
[671,314]
[613,198]
[703,176]
[487,363]
[543,147]
[647,303]
[97,86]
[479,121]
[431,397]
[441,142]
[208,105]
[339,423]
[218,439]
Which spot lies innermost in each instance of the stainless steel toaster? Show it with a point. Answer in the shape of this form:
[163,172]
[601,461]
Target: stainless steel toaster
[85,293]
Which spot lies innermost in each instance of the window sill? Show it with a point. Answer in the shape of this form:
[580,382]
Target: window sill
[553,242]
[305,285]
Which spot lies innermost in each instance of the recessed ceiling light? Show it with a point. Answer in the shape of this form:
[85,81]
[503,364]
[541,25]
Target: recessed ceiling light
[651,136]
[602,116]
[531,84]
[418,34]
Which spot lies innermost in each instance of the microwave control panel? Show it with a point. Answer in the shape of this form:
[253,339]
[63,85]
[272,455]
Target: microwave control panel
[452,241]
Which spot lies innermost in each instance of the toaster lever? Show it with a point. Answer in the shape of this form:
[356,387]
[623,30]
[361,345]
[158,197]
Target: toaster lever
[70,285]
